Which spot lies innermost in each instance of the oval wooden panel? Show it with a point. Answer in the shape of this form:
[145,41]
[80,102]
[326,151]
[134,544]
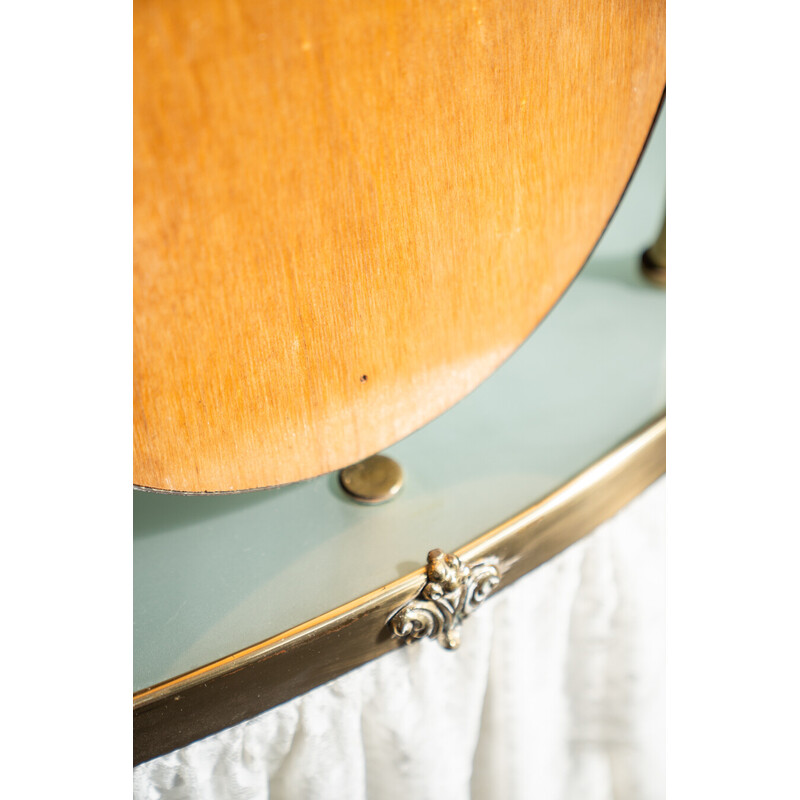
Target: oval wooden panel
[348,214]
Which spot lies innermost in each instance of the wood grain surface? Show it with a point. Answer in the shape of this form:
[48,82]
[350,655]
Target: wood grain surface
[348,214]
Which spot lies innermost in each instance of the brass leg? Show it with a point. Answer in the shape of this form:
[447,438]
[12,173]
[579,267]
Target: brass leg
[654,260]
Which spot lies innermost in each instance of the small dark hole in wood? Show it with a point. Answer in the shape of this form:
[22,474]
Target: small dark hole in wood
[363,378]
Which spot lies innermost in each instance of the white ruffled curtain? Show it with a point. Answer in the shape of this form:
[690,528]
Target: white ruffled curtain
[557,692]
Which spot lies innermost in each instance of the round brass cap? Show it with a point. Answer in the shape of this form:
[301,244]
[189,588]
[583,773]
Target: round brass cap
[374,480]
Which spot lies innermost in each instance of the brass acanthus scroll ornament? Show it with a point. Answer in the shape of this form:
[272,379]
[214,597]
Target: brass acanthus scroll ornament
[453,591]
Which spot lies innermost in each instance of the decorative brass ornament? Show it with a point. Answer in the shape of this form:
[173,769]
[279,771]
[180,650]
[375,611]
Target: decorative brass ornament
[453,591]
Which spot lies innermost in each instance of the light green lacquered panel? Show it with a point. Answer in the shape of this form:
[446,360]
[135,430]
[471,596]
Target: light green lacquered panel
[215,574]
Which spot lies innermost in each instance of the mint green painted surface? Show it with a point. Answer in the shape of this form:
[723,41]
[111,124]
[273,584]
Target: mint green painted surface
[215,574]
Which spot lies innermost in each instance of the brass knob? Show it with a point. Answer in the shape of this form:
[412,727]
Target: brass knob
[376,479]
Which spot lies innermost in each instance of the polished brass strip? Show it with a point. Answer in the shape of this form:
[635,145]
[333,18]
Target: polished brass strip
[240,686]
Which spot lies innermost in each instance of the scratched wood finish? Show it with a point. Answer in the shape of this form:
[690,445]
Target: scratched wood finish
[348,214]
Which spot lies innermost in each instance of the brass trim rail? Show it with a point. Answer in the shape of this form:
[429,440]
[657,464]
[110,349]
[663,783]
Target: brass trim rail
[242,685]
